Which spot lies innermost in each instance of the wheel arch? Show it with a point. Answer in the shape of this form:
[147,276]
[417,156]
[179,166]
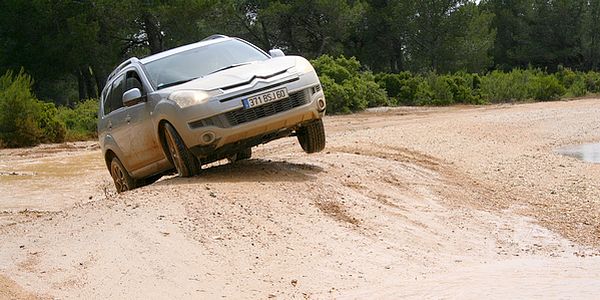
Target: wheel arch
[108,157]
[162,139]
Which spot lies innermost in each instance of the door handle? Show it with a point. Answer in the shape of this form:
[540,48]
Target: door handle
[109,125]
[128,118]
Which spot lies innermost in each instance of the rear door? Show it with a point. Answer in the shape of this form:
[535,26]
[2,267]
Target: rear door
[113,121]
[141,141]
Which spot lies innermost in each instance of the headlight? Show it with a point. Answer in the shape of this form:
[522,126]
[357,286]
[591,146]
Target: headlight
[303,66]
[189,98]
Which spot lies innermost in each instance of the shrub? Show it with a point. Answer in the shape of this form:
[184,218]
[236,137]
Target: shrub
[81,120]
[592,82]
[402,88]
[546,87]
[441,88]
[337,97]
[52,127]
[347,89]
[577,89]
[465,88]
[24,120]
[498,86]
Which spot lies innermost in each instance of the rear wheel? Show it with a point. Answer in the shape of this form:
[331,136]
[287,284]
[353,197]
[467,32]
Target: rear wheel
[122,179]
[150,180]
[185,162]
[312,137]
[244,154]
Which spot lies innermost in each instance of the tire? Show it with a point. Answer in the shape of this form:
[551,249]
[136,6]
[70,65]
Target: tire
[185,162]
[121,178]
[244,154]
[312,137]
[150,180]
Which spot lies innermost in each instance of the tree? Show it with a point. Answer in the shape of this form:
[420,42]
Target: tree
[590,36]
[474,44]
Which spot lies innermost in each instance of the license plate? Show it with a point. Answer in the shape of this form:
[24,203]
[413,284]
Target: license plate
[265,98]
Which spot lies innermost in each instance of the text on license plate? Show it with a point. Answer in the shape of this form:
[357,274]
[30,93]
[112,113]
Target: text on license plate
[265,98]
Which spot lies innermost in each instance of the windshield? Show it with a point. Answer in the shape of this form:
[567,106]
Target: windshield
[191,64]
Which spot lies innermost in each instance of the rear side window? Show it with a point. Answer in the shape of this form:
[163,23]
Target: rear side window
[114,98]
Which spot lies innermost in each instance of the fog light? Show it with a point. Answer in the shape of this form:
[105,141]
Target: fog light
[321,104]
[208,137]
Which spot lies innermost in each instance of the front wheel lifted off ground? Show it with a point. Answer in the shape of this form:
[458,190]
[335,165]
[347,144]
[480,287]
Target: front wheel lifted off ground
[123,182]
[185,162]
[312,137]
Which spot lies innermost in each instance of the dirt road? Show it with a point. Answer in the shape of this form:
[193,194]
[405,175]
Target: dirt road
[460,202]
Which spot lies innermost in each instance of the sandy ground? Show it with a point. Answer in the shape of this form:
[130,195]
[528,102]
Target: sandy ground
[460,202]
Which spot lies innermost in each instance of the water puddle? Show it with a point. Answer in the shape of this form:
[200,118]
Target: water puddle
[585,152]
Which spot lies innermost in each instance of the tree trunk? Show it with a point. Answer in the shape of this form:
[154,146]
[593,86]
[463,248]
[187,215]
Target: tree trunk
[99,78]
[153,33]
[80,86]
[89,83]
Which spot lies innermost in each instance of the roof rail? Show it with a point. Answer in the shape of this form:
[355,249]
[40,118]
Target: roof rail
[214,36]
[121,66]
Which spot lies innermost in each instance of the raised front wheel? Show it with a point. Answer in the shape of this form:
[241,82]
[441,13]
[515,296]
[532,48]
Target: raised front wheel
[312,137]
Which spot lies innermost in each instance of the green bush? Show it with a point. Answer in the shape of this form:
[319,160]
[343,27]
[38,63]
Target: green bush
[81,120]
[52,127]
[466,88]
[24,120]
[402,88]
[546,87]
[347,89]
[498,86]
[592,82]
[441,91]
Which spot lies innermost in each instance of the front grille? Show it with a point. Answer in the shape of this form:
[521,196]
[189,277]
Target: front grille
[242,115]
[247,115]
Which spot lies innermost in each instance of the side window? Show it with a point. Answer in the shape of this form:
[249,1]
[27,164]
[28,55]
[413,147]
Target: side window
[106,102]
[113,99]
[115,96]
[133,81]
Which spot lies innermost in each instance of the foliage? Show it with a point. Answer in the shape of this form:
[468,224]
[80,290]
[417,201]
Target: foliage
[529,84]
[77,43]
[347,89]
[24,120]
[80,121]
[546,87]
[420,52]
[401,87]
[53,128]
[499,86]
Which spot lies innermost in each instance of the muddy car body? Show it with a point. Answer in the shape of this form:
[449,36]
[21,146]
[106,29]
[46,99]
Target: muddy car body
[203,102]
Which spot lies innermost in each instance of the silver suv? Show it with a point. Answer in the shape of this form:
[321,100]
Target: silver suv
[196,104]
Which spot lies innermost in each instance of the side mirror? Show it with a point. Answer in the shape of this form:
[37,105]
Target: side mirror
[132,97]
[276,53]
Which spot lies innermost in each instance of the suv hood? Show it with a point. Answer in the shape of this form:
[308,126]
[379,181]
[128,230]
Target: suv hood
[236,76]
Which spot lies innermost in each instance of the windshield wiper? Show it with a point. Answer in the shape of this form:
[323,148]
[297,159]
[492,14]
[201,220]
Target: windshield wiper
[228,67]
[166,85]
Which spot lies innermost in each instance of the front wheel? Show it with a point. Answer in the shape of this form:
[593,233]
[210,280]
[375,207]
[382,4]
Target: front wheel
[312,137]
[185,162]
[122,179]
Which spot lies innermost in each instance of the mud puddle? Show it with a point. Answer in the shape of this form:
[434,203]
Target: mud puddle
[51,183]
[586,152]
